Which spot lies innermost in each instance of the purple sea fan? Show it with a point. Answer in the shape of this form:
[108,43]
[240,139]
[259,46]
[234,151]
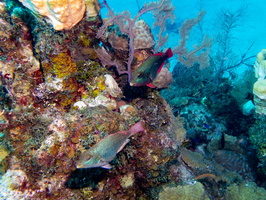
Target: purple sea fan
[200,53]
[126,26]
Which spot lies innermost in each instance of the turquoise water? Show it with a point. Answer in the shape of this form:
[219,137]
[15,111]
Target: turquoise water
[248,32]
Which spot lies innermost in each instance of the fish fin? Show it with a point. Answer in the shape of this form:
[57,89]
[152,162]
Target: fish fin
[151,85]
[160,68]
[106,166]
[123,145]
[136,128]
[168,53]
[158,54]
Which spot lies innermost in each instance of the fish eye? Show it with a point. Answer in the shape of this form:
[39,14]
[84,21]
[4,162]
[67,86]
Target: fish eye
[139,75]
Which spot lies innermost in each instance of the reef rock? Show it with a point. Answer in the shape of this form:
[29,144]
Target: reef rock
[63,14]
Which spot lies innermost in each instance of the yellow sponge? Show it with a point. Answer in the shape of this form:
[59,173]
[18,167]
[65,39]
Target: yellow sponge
[259,89]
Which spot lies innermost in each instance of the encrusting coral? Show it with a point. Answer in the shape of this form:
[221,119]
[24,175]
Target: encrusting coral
[260,65]
[259,91]
[187,192]
[64,14]
[245,191]
[92,8]
[259,86]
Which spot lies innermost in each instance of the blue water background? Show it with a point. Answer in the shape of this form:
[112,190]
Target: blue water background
[251,28]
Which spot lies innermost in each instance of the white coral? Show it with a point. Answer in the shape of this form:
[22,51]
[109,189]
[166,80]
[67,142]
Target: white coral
[112,87]
[9,184]
[260,65]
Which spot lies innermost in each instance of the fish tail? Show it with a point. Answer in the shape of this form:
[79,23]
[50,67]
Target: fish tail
[136,128]
[168,53]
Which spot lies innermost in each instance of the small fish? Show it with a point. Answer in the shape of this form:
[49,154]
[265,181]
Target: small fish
[106,149]
[206,125]
[249,96]
[148,70]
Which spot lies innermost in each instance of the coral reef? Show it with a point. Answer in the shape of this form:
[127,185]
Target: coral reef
[260,85]
[60,97]
[245,191]
[257,130]
[50,116]
[260,65]
[163,79]
[194,191]
[143,39]
[63,14]
[257,136]
[92,8]
[259,92]
[129,34]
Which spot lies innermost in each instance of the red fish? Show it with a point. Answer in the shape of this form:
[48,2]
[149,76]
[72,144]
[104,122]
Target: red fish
[149,69]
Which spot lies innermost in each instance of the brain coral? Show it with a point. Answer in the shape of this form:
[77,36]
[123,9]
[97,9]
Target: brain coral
[163,79]
[64,14]
[245,191]
[143,37]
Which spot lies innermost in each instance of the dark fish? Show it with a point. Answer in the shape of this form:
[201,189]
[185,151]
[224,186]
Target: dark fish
[106,149]
[249,96]
[222,141]
[206,125]
[149,69]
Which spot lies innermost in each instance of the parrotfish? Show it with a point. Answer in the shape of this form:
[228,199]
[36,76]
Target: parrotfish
[100,154]
[148,70]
